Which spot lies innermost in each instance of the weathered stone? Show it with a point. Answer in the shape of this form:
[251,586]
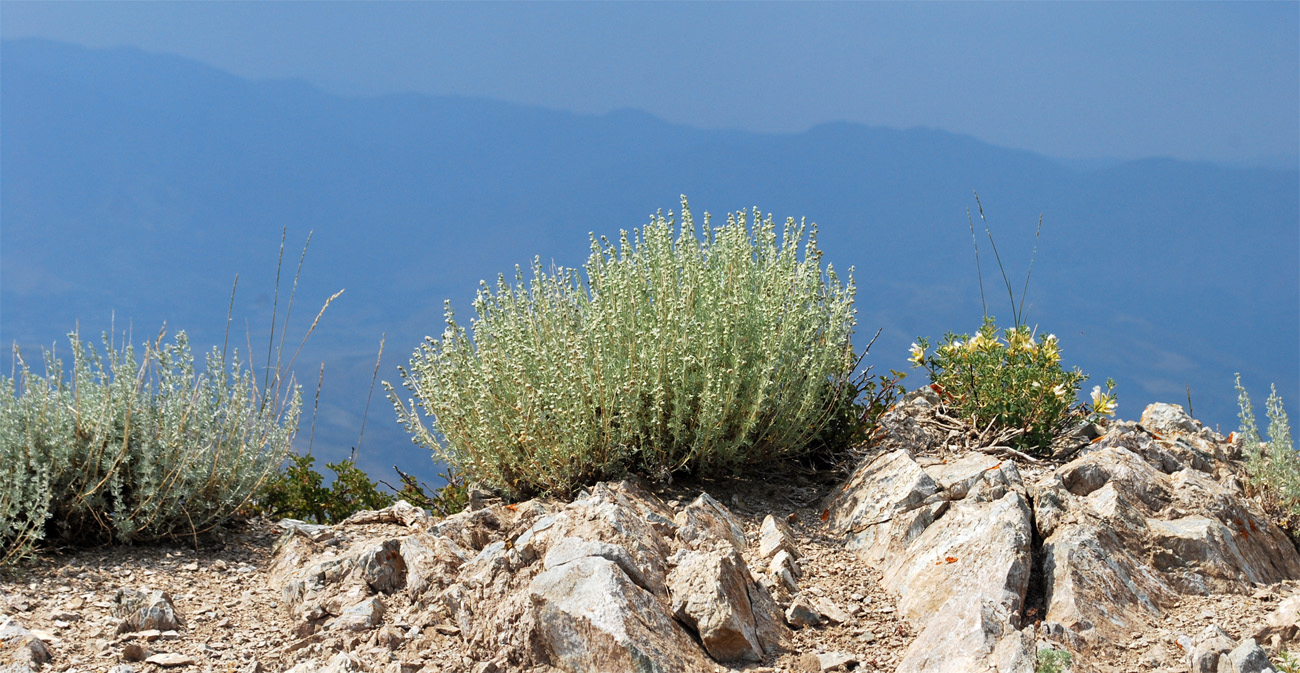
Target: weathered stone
[1168,419]
[836,661]
[978,552]
[22,646]
[830,612]
[707,518]
[136,652]
[571,548]
[382,567]
[1248,657]
[775,536]
[399,513]
[1122,538]
[710,594]
[343,663]
[589,615]
[785,571]
[141,610]
[968,637]
[877,493]
[1282,623]
[360,617]
[802,613]
[170,660]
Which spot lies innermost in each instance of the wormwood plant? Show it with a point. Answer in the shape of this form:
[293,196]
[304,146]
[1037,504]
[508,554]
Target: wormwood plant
[1010,383]
[134,449]
[675,352]
[1053,661]
[1273,466]
[127,448]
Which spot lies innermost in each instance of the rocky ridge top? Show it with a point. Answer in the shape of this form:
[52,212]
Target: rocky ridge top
[1136,551]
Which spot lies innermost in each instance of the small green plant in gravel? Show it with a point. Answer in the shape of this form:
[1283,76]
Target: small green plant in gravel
[675,352]
[1273,466]
[1053,661]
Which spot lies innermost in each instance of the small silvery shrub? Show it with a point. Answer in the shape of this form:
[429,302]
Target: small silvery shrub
[1013,381]
[674,352]
[126,450]
[1273,466]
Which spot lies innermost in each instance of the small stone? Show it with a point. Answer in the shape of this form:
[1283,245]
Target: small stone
[135,652]
[835,661]
[170,660]
[802,613]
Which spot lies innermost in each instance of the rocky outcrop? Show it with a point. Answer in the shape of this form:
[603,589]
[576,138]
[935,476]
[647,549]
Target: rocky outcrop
[1141,518]
[1142,515]
[613,581]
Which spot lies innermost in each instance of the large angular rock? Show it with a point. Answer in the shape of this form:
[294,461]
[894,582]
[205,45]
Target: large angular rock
[970,637]
[872,508]
[590,616]
[144,610]
[707,518]
[1168,419]
[978,553]
[1283,622]
[711,594]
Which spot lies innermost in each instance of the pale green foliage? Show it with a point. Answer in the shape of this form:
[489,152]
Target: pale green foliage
[675,352]
[1272,465]
[129,450]
[1287,662]
[1053,661]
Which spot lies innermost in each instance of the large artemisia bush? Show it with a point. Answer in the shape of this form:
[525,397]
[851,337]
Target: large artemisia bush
[677,350]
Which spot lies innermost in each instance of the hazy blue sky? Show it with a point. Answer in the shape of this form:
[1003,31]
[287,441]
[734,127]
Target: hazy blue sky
[1213,81]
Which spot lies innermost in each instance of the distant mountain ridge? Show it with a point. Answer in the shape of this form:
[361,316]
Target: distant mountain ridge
[137,185]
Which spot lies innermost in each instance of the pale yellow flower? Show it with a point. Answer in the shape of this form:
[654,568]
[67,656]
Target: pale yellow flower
[1102,403]
[918,355]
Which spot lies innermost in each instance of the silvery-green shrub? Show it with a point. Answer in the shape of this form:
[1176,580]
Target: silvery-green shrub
[675,351]
[135,449]
[1273,465]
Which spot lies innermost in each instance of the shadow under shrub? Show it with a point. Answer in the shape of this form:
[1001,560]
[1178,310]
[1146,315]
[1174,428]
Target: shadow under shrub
[674,352]
[129,450]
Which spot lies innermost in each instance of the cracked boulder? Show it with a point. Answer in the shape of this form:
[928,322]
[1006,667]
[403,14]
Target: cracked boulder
[953,541]
[713,595]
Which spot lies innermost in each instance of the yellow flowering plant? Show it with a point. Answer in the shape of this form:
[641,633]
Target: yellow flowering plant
[1014,381]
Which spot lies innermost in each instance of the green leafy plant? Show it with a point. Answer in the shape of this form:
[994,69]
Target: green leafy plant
[1273,466]
[1010,383]
[1013,381]
[1052,660]
[297,493]
[1287,662]
[674,352]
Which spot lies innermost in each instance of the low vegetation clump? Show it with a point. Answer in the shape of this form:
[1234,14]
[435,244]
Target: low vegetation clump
[676,351]
[1273,466]
[1011,382]
[131,449]
[297,492]
[1010,387]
